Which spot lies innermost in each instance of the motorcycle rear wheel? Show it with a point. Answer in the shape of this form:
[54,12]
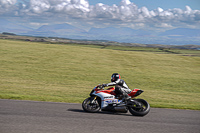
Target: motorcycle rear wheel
[139,110]
[90,107]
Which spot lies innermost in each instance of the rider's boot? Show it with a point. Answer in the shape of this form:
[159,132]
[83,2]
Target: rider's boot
[119,97]
[126,98]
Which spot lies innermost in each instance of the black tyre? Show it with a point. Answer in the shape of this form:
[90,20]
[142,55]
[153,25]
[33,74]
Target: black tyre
[140,109]
[90,105]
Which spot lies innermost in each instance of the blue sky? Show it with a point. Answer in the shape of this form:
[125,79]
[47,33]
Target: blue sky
[136,14]
[153,4]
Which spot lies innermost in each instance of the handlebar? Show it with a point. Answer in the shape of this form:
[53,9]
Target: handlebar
[100,87]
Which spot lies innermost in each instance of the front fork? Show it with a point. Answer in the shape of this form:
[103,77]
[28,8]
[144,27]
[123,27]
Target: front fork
[93,99]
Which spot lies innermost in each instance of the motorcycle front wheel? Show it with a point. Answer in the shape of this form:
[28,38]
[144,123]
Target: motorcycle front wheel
[91,105]
[140,109]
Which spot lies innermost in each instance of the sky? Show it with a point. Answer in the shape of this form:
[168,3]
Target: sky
[136,14]
[153,4]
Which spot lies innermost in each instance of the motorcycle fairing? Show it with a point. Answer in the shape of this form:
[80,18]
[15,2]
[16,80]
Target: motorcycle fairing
[107,96]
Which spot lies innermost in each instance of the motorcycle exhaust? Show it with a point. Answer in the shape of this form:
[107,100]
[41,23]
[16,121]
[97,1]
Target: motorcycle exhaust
[122,109]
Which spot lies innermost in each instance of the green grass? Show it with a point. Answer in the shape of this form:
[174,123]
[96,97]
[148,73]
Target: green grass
[67,73]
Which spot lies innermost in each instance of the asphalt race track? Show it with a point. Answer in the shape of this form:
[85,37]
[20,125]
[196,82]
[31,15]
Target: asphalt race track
[48,117]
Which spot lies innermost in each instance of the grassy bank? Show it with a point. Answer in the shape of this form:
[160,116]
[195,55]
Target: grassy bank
[67,73]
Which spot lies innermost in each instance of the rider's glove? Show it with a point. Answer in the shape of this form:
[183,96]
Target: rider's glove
[104,85]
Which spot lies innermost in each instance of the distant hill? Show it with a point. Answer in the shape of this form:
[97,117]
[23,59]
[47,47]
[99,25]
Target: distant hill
[120,31]
[182,32]
[7,26]
[56,30]
[103,43]
[178,36]
[64,28]
[112,31]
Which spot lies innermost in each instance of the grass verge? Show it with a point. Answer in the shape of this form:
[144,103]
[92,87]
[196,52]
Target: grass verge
[67,73]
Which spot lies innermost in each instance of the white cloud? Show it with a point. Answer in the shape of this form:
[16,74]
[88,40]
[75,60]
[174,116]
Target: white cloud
[126,13]
[7,6]
[164,25]
[7,3]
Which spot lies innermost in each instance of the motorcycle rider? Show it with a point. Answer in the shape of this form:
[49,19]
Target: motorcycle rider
[121,88]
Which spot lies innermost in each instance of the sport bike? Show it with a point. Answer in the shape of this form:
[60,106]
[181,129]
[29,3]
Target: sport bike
[107,100]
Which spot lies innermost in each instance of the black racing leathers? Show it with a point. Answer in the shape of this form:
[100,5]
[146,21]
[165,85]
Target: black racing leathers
[120,87]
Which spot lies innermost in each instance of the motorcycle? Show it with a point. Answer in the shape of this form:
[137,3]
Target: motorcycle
[107,100]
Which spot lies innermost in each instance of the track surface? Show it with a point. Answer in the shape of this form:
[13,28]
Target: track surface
[48,117]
